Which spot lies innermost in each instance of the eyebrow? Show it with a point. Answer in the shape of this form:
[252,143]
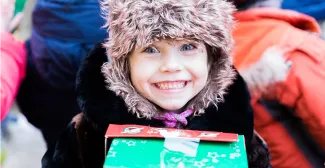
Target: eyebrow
[150,45]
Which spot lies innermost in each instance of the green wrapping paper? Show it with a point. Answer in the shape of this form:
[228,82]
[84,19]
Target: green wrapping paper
[153,153]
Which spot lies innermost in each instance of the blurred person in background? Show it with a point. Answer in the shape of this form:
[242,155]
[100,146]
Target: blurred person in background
[281,56]
[314,8]
[12,63]
[13,56]
[63,31]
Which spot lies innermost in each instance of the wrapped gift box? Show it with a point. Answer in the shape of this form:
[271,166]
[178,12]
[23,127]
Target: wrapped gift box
[147,147]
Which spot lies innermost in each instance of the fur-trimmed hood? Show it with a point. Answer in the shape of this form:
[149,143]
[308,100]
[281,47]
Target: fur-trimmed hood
[135,24]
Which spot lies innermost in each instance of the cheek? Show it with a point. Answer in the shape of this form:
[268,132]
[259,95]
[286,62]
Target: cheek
[140,74]
[200,70]
[137,74]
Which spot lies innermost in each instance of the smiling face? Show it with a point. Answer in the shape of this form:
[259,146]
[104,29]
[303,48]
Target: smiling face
[169,73]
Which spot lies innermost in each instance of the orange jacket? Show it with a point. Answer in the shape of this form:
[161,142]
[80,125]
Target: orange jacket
[299,87]
[258,29]
[13,63]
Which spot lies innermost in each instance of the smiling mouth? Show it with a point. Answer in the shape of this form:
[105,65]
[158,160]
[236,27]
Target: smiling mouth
[171,85]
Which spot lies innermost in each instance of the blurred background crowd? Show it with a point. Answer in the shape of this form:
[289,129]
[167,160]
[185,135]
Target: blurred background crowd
[280,52]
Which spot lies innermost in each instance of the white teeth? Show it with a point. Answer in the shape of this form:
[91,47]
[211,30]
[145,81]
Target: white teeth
[170,85]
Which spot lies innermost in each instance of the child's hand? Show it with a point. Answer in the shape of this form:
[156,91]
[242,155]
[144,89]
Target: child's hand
[7,22]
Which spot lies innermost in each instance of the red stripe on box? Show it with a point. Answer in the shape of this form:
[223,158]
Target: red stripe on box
[139,131]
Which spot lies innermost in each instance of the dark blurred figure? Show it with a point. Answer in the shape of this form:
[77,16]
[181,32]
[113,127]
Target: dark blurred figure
[63,32]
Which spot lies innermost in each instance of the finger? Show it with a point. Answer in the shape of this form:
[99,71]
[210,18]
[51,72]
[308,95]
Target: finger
[77,119]
[16,21]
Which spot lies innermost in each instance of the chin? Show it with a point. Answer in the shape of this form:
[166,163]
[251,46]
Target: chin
[172,107]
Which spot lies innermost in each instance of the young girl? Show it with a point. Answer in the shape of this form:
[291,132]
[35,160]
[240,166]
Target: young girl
[169,66]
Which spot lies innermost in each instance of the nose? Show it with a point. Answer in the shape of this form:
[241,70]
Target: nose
[171,63]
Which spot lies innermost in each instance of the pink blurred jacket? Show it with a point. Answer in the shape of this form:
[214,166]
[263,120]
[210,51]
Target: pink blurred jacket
[12,64]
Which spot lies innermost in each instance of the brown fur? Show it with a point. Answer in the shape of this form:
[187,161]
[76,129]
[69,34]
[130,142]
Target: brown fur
[135,24]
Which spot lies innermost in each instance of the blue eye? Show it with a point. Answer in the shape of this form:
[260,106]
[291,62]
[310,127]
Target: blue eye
[187,47]
[151,50]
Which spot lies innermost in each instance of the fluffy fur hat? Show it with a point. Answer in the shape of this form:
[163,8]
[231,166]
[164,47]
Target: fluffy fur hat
[133,24]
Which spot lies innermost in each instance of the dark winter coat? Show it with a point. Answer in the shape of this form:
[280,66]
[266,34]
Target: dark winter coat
[82,144]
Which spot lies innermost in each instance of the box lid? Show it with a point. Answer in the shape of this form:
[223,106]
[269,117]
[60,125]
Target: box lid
[139,131]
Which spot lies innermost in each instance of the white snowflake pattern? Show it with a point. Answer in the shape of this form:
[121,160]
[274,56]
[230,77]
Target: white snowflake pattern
[174,159]
[223,155]
[155,130]
[199,164]
[144,141]
[234,146]
[237,154]
[213,155]
[234,155]
[214,160]
[123,141]
[131,143]
[205,160]
[237,150]
[115,142]
[111,154]
[210,167]
[150,132]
